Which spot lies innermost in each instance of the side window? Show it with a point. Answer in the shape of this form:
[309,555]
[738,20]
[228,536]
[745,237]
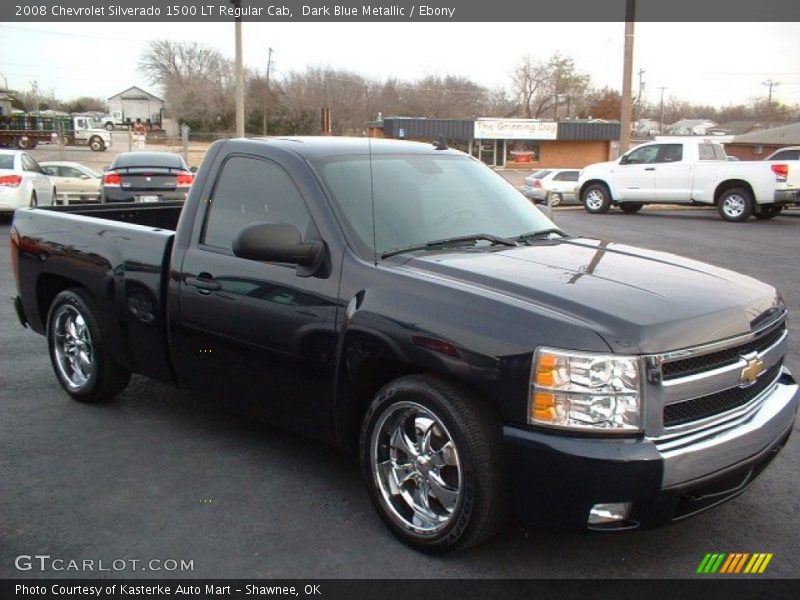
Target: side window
[27,163]
[249,190]
[566,176]
[70,172]
[787,155]
[50,170]
[644,155]
[670,153]
[34,166]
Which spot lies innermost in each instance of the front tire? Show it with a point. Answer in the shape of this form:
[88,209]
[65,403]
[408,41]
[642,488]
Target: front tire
[735,205]
[596,199]
[79,352]
[431,456]
[97,144]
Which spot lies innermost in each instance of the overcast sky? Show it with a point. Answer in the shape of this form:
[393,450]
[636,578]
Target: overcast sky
[713,63]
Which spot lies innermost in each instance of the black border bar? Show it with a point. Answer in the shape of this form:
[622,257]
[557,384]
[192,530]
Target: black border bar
[709,11]
[734,587]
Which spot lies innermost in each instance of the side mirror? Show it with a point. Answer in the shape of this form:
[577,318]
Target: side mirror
[193,169]
[624,159]
[106,168]
[278,242]
[84,176]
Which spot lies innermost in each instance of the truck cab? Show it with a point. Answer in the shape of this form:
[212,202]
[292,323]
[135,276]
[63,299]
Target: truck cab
[85,133]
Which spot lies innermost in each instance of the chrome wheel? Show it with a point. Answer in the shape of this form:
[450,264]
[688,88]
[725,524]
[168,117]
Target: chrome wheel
[416,467]
[595,200]
[73,347]
[733,205]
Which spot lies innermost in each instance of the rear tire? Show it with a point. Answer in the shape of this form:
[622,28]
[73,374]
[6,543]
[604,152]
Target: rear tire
[431,454]
[596,199]
[630,207]
[78,350]
[735,205]
[764,212]
[553,199]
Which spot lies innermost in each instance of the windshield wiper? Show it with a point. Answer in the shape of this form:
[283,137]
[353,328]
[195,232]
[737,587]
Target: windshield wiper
[494,239]
[542,233]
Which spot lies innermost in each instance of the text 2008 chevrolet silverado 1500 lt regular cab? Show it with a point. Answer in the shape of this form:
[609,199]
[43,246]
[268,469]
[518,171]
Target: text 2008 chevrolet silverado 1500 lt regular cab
[690,172]
[402,300]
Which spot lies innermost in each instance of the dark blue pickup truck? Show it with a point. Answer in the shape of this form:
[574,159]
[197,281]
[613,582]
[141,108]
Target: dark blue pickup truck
[403,301]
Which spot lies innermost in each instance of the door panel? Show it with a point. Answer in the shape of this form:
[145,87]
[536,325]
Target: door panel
[255,335]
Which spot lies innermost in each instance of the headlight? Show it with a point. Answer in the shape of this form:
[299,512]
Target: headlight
[585,391]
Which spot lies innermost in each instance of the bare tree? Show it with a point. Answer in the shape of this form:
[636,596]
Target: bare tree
[197,81]
[544,86]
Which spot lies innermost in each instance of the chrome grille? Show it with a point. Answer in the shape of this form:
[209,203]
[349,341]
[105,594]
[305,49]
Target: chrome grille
[706,362]
[720,402]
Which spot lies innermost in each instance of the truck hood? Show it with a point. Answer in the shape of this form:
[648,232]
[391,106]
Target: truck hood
[639,301]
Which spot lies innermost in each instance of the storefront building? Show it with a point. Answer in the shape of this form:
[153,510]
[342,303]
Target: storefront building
[514,143]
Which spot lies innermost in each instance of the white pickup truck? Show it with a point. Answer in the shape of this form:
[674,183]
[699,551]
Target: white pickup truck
[690,172]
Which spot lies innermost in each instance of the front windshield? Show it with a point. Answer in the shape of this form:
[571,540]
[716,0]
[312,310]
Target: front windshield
[421,198]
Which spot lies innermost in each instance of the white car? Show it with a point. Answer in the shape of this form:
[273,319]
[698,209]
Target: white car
[74,181]
[23,182]
[787,153]
[559,184]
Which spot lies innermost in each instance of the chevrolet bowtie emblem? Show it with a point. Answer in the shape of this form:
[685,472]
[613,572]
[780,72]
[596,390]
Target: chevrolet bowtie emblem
[754,368]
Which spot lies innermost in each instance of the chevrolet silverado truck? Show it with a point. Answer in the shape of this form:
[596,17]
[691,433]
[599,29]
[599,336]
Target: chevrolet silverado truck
[691,173]
[403,301]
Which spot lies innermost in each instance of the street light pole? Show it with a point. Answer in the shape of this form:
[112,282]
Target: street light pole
[239,72]
[661,118]
[266,90]
[627,76]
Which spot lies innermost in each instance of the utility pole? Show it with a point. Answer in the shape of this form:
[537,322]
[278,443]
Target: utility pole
[239,71]
[627,76]
[770,83]
[638,102]
[266,89]
[661,118]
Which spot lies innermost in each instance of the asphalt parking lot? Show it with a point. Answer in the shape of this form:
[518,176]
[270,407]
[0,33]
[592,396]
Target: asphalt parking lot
[156,475]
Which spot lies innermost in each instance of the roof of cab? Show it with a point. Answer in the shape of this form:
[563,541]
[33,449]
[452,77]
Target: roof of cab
[316,147]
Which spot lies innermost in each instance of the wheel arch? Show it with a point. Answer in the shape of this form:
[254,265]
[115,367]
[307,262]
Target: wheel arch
[730,184]
[597,181]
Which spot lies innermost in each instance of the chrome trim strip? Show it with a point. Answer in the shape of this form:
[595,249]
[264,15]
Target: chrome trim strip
[712,346]
[734,443]
[715,424]
[723,369]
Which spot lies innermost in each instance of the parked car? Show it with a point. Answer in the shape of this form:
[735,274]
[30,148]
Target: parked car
[406,303]
[147,177]
[690,172]
[23,182]
[787,153]
[553,186]
[74,181]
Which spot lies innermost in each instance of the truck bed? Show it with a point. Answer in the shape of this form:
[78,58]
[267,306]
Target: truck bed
[120,255]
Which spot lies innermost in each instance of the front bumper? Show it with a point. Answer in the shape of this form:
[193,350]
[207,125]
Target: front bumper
[556,479]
